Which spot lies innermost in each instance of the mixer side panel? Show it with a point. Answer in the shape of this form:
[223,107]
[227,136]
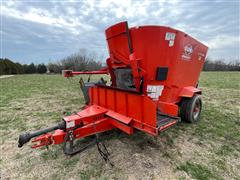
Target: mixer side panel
[172,59]
[179,58]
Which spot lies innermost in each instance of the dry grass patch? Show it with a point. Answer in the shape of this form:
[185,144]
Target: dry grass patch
[209,149]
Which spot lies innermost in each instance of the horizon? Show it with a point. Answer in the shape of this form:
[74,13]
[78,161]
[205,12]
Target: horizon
[43,32]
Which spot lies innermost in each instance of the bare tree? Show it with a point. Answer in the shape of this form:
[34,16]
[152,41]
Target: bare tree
[80,61]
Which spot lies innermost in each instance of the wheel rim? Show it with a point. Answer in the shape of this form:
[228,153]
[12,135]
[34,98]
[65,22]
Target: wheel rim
[196,110]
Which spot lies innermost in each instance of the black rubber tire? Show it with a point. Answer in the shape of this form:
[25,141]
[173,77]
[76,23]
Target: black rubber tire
[187,111]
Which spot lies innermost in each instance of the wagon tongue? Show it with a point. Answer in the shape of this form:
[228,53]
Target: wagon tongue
[26,137]
[73,127]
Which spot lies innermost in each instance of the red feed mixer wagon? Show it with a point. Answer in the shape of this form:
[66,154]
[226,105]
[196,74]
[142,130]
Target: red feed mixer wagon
[154,73]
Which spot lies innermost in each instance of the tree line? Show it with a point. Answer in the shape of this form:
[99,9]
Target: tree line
[83,62]
[220,65]
[9,67]
[80,61]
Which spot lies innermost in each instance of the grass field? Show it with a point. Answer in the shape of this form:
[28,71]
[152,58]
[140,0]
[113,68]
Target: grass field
[209,149]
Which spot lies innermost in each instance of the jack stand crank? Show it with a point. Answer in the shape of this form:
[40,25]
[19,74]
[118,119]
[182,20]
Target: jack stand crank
[71,149]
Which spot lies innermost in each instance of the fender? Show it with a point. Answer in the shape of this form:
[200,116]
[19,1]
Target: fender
[189,91]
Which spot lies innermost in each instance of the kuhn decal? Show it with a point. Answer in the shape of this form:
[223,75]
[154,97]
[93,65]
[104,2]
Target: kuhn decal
[187,52]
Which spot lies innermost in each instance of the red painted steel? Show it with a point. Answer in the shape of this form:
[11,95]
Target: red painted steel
[184,59]
[70,73]
[143,49]
[141,109]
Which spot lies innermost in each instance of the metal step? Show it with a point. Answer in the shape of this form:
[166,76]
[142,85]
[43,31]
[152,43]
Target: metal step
[164,122]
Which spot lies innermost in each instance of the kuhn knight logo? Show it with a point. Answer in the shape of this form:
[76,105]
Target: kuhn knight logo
[187,52]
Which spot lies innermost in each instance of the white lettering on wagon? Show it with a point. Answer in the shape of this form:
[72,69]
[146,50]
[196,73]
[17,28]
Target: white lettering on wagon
[70,124]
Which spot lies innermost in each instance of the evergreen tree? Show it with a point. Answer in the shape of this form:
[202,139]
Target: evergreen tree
[41,68]
[31,69]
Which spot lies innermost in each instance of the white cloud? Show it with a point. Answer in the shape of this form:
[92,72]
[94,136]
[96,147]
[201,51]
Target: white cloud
[223,41]
[83,22]
[42,16]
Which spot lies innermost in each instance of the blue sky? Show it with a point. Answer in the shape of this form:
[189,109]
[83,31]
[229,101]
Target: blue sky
[43,31]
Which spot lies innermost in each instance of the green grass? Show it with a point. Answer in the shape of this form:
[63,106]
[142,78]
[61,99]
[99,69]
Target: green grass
[220,80]
[225,150]
[206,150]
[95,170]
[198,171]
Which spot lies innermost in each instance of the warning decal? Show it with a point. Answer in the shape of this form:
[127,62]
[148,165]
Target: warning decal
[154,91]
[170,37]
